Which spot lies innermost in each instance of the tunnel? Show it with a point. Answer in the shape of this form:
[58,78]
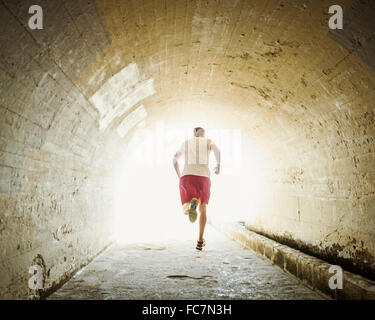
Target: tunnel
[95,103]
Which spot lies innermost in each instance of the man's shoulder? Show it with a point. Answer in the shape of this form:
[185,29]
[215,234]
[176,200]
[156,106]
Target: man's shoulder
[210,142]
[186,142]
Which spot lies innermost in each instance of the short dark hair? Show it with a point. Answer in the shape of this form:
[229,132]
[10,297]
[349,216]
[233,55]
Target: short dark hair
[199,131]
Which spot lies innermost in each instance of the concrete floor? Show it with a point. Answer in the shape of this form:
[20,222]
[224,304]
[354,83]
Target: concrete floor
[175,270]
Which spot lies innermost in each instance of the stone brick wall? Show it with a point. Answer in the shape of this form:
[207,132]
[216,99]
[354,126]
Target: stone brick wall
[55,187]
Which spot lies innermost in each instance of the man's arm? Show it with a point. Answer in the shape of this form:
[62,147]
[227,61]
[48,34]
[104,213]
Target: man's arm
[217,154]
[175,163]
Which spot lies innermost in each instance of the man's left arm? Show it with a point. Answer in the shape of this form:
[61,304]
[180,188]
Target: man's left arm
[175,163]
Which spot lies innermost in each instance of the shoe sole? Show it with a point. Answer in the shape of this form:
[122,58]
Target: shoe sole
[200,247]
[193,210]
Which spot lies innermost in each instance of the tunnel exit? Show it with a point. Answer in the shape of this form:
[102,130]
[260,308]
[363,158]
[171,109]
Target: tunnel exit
[148,205]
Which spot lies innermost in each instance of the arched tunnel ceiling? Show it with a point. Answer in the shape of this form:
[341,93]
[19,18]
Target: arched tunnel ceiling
[276,59]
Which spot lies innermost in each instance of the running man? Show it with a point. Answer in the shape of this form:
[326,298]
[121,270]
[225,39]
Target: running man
[195,180]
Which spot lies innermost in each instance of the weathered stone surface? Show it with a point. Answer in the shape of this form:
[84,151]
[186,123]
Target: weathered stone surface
[311,271]
[224,270]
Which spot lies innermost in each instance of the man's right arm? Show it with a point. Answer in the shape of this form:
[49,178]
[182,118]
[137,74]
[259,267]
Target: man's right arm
[217,154]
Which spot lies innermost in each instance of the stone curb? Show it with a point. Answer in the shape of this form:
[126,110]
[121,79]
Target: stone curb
[311,271]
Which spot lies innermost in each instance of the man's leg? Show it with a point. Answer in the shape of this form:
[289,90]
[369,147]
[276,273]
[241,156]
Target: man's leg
[202,220]
[185,208]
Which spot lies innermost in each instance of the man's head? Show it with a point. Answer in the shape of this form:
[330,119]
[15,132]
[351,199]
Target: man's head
[198,132]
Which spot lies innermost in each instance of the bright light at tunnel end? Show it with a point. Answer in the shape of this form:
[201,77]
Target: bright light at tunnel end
[148,206]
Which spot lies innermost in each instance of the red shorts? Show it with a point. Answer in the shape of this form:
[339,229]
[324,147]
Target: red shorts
[195,187]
